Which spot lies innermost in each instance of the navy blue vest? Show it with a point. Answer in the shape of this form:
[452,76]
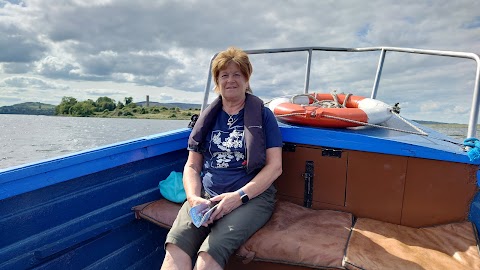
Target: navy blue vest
[254,133]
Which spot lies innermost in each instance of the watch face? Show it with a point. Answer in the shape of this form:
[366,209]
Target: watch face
[245,198]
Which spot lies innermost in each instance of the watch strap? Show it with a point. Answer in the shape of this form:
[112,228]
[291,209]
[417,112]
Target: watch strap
[241,192]
[243,196]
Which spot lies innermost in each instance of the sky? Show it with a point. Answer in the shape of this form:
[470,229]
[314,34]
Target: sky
[122,48]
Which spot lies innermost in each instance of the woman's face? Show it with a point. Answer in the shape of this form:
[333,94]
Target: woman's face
[231,81]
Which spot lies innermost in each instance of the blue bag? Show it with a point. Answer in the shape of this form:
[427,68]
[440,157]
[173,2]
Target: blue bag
[474,151]
[172,188]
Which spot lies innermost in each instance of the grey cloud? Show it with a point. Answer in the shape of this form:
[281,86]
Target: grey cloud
[30,82]
[169,43]
[54,67]
[16,68]
[19,46]
[107,63]
[148,25]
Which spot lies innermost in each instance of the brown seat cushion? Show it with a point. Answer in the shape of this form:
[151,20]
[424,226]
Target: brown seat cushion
[380,245]
[301,236]
[294,235]
[161,212]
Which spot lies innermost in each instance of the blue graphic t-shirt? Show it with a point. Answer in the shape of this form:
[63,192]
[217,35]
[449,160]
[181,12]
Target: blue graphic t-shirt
[225,155]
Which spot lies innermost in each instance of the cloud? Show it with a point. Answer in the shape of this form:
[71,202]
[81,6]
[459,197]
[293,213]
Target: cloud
[17,89]
[104,92]
[31,82]
[55,67]
[18,43]
[16,68]
[19,46]
[164,47]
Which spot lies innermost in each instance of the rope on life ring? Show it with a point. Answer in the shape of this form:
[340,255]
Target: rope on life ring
[395,110]
[324,103]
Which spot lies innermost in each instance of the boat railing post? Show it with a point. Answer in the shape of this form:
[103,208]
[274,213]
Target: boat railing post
[307,71]
[472,123]
[378,75]
[208,84]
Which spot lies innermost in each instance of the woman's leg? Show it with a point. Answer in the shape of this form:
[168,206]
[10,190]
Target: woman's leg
[176,259]
[206,262]
[183,241]
[231,231]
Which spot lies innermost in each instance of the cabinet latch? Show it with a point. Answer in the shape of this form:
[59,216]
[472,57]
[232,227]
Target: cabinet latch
[331,152]
[289,147]
[308,180]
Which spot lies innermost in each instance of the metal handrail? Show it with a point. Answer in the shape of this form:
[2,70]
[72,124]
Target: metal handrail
[472,123]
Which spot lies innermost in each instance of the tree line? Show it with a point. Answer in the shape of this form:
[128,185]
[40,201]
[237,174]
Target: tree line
[107,107]
[71,106]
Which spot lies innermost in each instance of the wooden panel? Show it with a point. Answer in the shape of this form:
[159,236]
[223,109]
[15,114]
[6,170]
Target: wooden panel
[437,192]
[329,176]
[291,182]
[401,190]
[375,185]
[294,200]
[330,179]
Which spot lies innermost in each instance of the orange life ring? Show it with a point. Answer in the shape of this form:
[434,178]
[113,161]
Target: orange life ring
[358,111]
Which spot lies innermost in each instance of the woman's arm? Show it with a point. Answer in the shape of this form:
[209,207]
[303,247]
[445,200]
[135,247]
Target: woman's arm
[261,182]
[191,178]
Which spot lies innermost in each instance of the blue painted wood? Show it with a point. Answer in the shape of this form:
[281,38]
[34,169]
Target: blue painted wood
[51,225]
[26,178]
[75,211]
[137,245]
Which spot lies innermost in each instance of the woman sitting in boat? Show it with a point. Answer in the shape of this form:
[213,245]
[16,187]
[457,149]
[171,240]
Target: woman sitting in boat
[235,156]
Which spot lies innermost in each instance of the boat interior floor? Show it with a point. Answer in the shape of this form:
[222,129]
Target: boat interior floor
[297,237]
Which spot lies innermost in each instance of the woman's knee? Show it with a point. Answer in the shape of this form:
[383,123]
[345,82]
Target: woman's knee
[176,258]
[206,262]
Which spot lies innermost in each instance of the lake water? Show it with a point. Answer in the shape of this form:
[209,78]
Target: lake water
[30,138]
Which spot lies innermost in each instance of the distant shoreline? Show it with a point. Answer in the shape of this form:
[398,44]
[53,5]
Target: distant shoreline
[134,116]
[168,111]
[163,111]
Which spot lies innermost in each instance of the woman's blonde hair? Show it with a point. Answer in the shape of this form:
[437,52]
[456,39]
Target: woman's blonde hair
[224,58]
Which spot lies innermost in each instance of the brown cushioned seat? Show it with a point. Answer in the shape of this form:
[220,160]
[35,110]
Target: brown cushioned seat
[294,235]
[379,245]
[301,236]
[161,212]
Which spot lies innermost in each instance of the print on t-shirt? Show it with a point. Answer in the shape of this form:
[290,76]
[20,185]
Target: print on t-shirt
[227,149]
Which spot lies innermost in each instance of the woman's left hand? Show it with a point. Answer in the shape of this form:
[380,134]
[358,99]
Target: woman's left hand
[227,203]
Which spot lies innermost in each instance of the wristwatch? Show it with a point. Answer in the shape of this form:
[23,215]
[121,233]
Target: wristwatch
[243,196]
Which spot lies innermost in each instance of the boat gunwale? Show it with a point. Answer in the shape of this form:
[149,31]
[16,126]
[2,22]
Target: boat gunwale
[25,178]
[28,177]
[474,110]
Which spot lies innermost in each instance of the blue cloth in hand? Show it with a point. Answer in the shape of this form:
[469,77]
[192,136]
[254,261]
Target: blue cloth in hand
[172,188]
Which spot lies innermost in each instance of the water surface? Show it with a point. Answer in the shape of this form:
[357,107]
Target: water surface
[30,138]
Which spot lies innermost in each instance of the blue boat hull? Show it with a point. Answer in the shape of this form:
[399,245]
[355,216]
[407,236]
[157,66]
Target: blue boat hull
[86,221]
[75,212]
